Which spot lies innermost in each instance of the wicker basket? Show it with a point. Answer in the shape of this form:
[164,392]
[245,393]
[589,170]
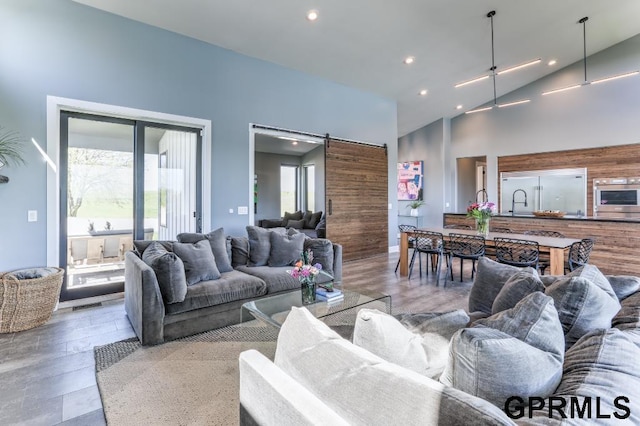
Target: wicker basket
[28,303]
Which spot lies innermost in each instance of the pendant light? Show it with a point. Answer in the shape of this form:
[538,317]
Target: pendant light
[586,82]
[494,73]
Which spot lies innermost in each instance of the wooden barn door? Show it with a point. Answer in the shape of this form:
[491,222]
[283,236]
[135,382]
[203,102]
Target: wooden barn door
[356,198]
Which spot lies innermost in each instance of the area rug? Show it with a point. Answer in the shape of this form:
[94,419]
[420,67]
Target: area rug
[190,381]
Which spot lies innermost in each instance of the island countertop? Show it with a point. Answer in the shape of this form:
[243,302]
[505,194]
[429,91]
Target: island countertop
[616,238]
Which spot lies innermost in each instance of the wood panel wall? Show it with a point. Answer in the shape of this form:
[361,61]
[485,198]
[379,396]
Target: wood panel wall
[611,161]
[356,196]
[617,241]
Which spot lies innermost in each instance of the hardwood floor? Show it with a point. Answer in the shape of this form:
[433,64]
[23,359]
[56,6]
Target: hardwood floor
[47,374]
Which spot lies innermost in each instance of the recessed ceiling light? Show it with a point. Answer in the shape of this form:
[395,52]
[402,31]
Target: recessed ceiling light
[294,143]
[552,62]
[459,107]
[409,60]
[312,15]
[423,92]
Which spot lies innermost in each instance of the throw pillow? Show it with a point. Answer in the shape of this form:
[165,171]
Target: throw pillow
[296,224]
[218,243]
[601,366]
[140,246]
[442,323]
[593,274]
[169,271]
[239,251]
[285,249]
[623,285]
[259,246]
[199,263]
[322,250]
[424,352]
[515,352]
[515,289]
[312,220]
[291,216]
[582,307]
[490,277]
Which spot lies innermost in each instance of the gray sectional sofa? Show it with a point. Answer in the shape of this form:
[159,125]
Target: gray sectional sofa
[198,283]
[550,350]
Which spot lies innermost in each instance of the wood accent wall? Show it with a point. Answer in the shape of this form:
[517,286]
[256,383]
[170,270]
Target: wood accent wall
[611,161]
[356,188]
[617,241]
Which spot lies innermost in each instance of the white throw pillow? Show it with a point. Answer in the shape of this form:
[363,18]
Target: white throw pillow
[386,337]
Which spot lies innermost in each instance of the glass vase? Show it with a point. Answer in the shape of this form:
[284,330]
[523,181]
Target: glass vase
[308,289]
[482,226]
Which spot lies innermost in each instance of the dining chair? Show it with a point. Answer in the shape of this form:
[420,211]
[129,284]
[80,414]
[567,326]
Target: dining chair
[544,261]
[579,253]
[412,240]
[432,244]
[463,247]
[517,252]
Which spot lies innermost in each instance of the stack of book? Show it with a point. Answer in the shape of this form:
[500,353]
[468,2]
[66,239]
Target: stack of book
[330,296]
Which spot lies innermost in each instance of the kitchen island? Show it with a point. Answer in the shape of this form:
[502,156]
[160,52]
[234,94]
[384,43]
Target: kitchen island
[617,248]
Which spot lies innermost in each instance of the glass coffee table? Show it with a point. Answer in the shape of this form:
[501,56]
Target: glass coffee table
[273,310]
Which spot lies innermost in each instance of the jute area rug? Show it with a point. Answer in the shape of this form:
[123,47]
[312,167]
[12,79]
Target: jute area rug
[191,381]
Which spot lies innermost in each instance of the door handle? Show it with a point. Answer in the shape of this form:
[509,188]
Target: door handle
[330,207]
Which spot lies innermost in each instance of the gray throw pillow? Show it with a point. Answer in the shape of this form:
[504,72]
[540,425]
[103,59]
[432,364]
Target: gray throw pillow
[285,249]
[239,251]
[602,366]
[218,243]
[169,271]
[593,274]
[582,307]
[443,323]
[296,224]
[623,285]
[140,246]
[312,220]
[292,216]
[322,250]
[199,263]
[490,277]
[260,244]
[515,352]
[515,289]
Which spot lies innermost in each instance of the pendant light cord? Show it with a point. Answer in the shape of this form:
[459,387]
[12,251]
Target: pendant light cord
[490,15]
[583,21]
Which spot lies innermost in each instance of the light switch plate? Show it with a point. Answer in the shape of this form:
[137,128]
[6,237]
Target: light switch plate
[32,215]
[231,211]
[243,210]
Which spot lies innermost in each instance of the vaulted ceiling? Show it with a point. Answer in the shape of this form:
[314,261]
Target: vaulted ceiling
[362,43]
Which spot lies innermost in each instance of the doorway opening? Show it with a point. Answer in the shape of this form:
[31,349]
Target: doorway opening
[471,181]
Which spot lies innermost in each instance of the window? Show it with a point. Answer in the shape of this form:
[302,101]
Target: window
[288,189]
[310,187]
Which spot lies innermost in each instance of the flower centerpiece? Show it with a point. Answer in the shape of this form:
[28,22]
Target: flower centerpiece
[306,273]
[481,212]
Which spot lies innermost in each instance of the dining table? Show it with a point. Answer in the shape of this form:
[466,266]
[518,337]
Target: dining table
[555,247]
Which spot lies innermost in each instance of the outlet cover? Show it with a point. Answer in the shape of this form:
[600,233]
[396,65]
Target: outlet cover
[32,215]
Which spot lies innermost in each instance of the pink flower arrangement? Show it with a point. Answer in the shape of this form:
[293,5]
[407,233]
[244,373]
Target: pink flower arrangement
[303,267]
[481,211]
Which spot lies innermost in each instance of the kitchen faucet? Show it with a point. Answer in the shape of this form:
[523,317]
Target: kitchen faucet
[513,200]
[485,196]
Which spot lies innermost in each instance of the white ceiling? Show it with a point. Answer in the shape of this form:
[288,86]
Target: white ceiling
[362,43]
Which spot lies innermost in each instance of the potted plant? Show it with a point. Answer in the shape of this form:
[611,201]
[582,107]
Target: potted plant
[10,150]
[414,206]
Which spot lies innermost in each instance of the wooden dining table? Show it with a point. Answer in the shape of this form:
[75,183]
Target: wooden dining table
[553,246]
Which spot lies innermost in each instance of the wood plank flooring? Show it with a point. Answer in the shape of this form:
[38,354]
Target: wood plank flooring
[47,374]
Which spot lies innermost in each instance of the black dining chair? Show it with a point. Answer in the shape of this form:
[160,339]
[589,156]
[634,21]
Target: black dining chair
[579,253]
[517,252]
[432,244]
[463,247]
[412,240]
[544,261]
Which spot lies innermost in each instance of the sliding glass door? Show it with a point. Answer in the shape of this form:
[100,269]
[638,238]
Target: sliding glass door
[121,180]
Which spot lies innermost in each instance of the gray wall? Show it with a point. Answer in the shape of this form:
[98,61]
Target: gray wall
[592,116]
[316,157]
[65,49]
[267,167]
[427,144]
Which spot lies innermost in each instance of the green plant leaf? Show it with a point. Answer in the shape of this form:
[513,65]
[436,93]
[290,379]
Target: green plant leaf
[11,144]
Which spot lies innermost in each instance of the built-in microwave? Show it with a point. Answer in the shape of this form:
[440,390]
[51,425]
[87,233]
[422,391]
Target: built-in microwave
[616,197]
